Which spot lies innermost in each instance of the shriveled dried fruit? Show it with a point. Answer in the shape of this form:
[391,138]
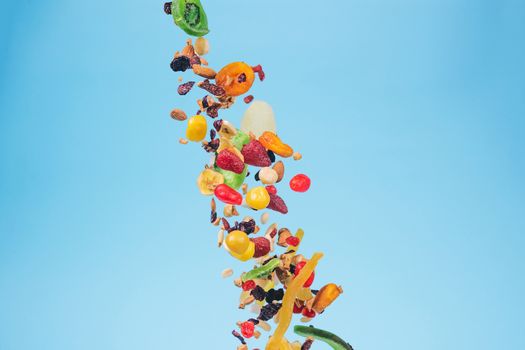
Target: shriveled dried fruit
[180,64]
[184,88]
[277,204]
[208,180]
[255,154]
[228,160]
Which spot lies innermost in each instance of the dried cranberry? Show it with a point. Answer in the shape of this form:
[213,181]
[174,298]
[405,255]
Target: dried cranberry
[185,87]
[258,293]
[248,99]
[241,78]
[213,133]
[297,309]
[211,88]
[213,111]
[258,69]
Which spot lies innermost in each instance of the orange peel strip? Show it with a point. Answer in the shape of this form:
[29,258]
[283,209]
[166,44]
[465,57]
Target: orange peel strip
[277,341]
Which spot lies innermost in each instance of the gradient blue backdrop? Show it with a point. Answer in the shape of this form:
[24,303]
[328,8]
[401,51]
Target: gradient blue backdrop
[411,119]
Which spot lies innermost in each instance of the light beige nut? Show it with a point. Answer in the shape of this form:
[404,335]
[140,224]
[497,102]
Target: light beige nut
[203,71]
[202,47]
[183,141]
[178,114]
[244,188]
[230,210]
[297,156]
[227,273]
[279,168]
[220,238]
[268,176]
[264,218]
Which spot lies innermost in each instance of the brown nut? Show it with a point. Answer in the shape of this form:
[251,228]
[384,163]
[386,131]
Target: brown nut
[178,114]
[284,233]
[205,72]
[279,168]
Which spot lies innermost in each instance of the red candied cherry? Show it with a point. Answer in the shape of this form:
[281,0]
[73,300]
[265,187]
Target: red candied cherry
[247,329]
[293,241]
[300,183]
[310,279]
[308,313]
[297,309]
[271,189]
[248,285]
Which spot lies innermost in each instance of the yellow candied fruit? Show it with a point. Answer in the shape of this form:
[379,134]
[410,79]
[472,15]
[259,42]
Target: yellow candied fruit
[258,198]
[239,245]
[197,128]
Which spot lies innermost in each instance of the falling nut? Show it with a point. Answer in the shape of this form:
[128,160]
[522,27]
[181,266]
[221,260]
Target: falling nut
[202,47]
[279,168]
[264,218]
[205,72]
[183,141]
[178,114]
[283,233]
[297,156]
[268,176]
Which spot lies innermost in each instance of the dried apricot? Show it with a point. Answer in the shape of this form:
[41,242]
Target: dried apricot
[235,78]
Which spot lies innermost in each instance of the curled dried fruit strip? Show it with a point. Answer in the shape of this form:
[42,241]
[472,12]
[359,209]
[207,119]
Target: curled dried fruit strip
[286,312]
[329,338]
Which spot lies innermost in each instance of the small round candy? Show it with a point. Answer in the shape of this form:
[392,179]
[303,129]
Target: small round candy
[237,242]
[258,198]
[300,183]
[197,128]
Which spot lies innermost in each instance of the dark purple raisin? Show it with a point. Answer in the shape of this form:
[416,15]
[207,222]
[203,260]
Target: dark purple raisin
[238,336]
[213,216]
[180,64]
[247,227]
[217,124]
[167,8]
[185,88]
[307,344]
[271,155]
[268,311]
[241,78]
[258,293]
[213,111]
[213,133]
[226,224]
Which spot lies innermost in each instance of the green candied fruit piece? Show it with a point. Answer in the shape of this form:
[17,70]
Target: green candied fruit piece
[189,15]
[329,338]
[240,139]
[262,271]
[232,179]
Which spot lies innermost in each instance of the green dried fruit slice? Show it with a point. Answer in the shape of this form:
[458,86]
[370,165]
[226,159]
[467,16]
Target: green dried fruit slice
[189,15]
[232,179]
[329,338]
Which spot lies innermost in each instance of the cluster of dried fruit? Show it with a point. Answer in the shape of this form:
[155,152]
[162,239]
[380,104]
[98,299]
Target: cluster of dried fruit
[279,285]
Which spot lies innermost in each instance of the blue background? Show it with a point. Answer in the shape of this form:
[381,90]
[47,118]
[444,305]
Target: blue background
[410,116]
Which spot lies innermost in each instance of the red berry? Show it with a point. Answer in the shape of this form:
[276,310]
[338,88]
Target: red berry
[300,183]
[228,160]
[310,279]
[297,309]
[308,313]
[255,154]
[271,189]
[248,285]
[247,329]
[293,241]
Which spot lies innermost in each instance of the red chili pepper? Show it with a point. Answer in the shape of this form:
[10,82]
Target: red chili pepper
[310,279]
[247,329]
[249,285]
[228,195]
[293,241]
[308,313]
[271,189]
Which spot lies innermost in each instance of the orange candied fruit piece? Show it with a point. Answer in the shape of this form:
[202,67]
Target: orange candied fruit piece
[235,78]
[272,142]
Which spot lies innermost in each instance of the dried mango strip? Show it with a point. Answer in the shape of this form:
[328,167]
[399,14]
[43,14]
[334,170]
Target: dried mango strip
[286,312]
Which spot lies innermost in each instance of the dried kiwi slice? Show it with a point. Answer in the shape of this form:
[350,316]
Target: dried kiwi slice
[189,15]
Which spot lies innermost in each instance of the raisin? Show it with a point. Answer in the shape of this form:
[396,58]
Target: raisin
[241,78]
[258,293]
[217,124]
[167,8]
[180,64]
[211,88]
[268,311]
[213,110]
[195,60]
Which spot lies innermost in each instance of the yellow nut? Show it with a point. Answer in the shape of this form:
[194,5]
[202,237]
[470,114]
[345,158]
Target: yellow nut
[197,128]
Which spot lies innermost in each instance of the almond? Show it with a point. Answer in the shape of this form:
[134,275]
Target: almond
[279,168]
[178,114]
[205,72]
